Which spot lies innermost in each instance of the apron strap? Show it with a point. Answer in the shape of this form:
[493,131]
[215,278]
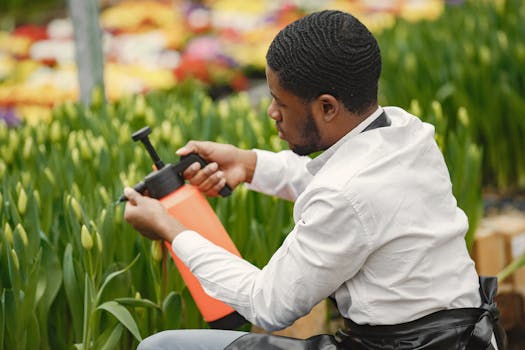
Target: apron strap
[379,122]
[488,322]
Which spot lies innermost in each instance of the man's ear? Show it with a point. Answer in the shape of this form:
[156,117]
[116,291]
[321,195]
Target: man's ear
[328,106]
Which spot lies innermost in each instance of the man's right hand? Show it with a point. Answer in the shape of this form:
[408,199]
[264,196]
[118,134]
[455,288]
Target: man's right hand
[226,165]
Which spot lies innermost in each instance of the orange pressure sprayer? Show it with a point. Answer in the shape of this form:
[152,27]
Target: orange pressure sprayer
[188,205]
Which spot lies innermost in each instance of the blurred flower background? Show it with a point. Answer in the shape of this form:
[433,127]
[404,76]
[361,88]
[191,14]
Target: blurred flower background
[150,45]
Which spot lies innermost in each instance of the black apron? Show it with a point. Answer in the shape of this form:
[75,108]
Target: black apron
[455,329]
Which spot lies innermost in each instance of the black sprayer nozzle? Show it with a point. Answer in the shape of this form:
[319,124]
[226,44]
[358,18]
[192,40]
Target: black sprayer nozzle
[142,135]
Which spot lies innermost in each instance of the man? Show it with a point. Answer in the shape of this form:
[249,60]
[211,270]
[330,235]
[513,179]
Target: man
[376,225]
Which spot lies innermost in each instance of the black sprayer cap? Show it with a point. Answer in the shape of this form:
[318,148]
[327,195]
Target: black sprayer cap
[163,182]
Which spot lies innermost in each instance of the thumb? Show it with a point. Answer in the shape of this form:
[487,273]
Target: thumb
[186,149]
[132,195]
[198,147]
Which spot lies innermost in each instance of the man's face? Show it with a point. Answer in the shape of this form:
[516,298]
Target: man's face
[293,118]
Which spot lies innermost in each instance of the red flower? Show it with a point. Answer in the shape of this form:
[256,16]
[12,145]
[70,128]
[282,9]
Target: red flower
[33,32]
[192,68]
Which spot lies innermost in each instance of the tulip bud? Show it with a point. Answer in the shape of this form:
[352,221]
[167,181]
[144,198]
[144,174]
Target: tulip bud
[275,143]
[103,216]
[140,106]
[156,250]
[49,174]
[70,110]
[438,111]
[98,239]
[75,190]
[7,154]
[104,194]
[484,55]
[85,238]
[410,62]
[177,138]
[150,116]
[36,194]
[463,116]
[2,169]
[97,97]
[415,108]
[75,156]
[14,258]
[85,151]
[502,40]
[165,130]
[76,208]
[118,215]
[28,147]
[26,179]
[22,202]
[3,130]
[56,132]
[23,235]
[14,140]
[138,296]
[8,232]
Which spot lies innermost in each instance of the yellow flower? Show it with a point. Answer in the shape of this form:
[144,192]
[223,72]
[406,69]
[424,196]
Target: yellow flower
[22,202]
[8,232]
[438,111]
[76,208]
[23,235]
[463,116]
[156,250]
[55,133]
[2,169]
[100,245]
[14,257]
[85,238]
[28,147]
[36,194]
[49,174]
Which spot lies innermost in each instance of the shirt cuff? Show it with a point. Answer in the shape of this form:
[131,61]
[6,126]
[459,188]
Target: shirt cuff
[263,157]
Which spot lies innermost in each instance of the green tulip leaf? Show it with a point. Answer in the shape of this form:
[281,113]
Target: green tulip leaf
[122,314]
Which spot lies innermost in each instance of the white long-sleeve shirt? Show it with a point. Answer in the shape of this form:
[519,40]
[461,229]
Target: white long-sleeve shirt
[376,226]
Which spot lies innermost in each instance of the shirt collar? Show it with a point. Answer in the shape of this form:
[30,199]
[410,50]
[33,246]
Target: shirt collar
[317,163]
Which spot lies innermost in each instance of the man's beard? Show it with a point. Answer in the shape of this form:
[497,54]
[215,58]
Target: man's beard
[311,138]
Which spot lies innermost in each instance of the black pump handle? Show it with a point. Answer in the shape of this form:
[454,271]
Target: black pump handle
[142,135]
[187,160]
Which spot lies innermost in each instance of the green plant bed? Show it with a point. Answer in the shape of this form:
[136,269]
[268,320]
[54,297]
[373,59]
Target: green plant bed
[473,56]
[73,272]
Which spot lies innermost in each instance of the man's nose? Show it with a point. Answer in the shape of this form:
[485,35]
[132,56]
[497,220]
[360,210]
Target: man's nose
[273,112]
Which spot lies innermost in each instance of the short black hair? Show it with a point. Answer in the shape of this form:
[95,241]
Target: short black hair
[328,52]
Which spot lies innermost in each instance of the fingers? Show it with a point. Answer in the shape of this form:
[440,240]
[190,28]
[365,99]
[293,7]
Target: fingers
[200,176]
[191,171]
[214,191]
[132,195]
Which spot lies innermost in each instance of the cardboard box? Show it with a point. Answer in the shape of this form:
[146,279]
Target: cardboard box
[511,227]
[488,252]
[312,324]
